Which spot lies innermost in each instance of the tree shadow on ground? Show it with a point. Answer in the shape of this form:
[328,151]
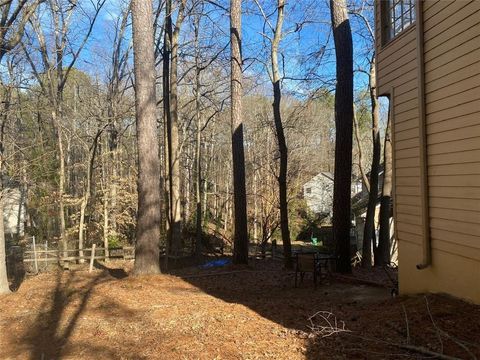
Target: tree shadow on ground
[378,326]
[116,273]
[271,294]
[58,319]
[82,315]
[15,267]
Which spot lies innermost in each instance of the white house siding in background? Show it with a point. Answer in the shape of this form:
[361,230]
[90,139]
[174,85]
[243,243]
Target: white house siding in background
[13,211]
[318,193]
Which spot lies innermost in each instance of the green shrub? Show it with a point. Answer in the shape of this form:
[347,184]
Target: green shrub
[114,241]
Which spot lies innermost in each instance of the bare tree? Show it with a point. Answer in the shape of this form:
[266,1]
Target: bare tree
[372,182]
[4,287]
[344,126]
[117,82]
[173,138]
[167,120]
[198,143]
[52,75]
[147,255]
[13,21]
[11,33]
[92,152]
[240,250]
[282,144]
[358,141]
[369,229]
[386,200]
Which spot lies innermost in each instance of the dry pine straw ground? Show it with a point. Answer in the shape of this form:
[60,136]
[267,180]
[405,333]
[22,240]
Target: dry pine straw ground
[247,314]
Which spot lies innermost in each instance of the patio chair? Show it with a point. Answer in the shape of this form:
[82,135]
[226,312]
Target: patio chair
[306,263]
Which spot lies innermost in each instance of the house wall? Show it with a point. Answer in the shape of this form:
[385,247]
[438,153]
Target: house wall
[320,197]
[13,212]
[452,107]
[318,192]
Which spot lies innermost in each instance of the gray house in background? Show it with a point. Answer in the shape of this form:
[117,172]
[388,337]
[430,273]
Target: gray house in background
[318,193]
[14,209]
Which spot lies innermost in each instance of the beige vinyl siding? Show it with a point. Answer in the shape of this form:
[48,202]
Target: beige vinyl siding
[452,55]
[432,8]
[459,157]
[407,153]
[408,162]
[407,125]
[452,106]
[408,181]
[411,200]
[450,79]
[448,13]
[450,248]
[406,134]
[452,67]
[454,214]
[462,121]
[444,56]
[409,237]
[456,180]
[455,112]
[408,210]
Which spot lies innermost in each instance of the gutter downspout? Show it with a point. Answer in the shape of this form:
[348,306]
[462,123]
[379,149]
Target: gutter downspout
[427,245]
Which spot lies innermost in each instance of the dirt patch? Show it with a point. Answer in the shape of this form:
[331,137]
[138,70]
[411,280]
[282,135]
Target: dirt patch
[233,313]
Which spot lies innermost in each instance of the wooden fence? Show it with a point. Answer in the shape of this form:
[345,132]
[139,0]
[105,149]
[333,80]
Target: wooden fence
[37,257]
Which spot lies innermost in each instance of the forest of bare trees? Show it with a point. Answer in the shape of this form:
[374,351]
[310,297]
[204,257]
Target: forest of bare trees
[167,124]
[235,179]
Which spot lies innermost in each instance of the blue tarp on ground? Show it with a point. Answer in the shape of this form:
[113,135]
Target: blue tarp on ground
[215,263]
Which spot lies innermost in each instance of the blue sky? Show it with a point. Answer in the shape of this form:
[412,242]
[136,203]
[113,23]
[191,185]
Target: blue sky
[307,52]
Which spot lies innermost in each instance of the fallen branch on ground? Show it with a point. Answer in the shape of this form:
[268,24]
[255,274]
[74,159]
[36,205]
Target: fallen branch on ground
[325,324]
[328,324]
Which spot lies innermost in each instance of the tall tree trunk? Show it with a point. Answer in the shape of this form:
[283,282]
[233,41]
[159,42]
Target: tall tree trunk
[198,193]
[205,169]
[365,180]
[4,287]
[282,144]
[369,229]
[255,205]
[386,200]
[187,185]
[57,117]
[113,186]
[61,180]
[147,259]
[240,249]
[227,207]
[215,199]
[167,44]
[83,208]
[105,199]
[198,148]
[343,133]
[81,227]
[175,203]
[87,194]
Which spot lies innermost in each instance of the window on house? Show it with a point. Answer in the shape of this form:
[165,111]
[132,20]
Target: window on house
[398,16]
[308,190]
